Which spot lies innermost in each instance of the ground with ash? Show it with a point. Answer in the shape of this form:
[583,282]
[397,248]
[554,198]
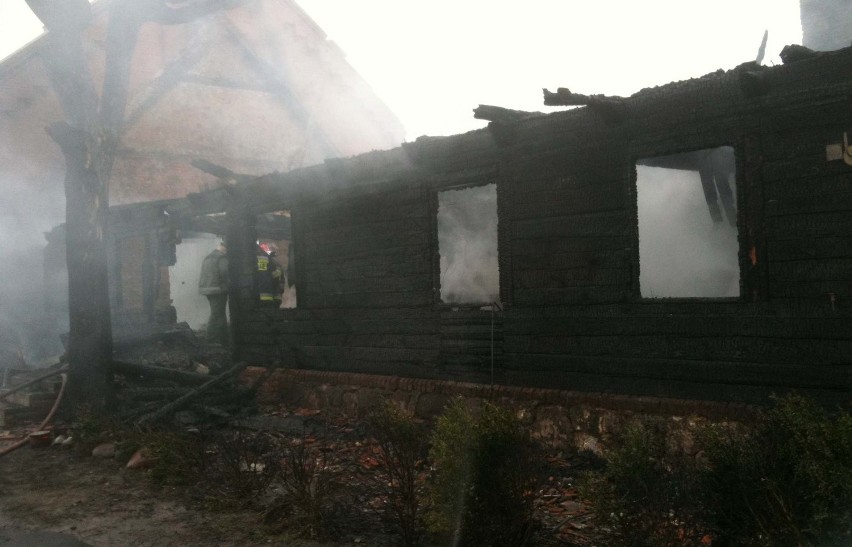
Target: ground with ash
[101,502]
[56,489]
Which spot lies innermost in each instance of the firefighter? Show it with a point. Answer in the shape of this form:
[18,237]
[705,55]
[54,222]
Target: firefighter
[213,284]
[269,275]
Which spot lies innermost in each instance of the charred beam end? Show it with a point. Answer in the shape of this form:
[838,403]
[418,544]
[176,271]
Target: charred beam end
[212,169]
[220,172]
[794,53]
[499,114]
[503,121]
[612,108]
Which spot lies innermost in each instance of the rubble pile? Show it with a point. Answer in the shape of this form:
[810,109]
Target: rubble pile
[176,374]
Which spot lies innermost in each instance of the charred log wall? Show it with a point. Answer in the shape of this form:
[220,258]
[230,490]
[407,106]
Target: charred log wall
[573,316]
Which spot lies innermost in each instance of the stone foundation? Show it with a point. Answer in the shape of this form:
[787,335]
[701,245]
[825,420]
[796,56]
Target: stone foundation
[557,418]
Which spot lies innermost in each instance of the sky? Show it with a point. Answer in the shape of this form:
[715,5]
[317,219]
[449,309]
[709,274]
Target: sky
[434,62]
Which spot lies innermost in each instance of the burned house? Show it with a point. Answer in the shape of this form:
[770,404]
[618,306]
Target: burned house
[690,241]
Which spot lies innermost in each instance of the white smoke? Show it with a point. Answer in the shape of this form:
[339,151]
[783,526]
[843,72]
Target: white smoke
[467,243]
[682,252]
[191,307]
[27,329]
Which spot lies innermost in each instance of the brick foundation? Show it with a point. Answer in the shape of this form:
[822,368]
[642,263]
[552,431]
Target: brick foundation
[558,418]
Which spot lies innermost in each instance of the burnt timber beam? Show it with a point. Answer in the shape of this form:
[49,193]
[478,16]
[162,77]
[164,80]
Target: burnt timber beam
[219,171]
[612,108]
[499,114]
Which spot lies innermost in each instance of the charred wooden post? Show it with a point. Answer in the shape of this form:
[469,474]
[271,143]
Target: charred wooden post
[89,138]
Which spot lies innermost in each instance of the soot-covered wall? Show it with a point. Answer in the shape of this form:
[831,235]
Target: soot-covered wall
[571,313]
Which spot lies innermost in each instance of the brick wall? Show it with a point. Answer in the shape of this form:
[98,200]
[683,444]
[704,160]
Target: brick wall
[557,418]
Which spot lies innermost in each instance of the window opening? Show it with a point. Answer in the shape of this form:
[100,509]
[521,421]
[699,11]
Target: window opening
[276,274]
[467,245]
[190,306]
[688,243]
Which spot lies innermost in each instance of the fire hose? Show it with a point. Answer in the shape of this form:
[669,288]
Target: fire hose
[46,421]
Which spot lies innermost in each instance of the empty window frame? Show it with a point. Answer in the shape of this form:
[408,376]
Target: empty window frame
[687,211]
[276,279]
[467,245]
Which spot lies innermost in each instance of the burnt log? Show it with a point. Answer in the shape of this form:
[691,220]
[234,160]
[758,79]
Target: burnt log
[153,393]
[160,373]
[176,405]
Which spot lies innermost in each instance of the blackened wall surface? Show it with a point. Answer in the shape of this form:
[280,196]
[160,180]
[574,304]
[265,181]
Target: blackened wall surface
[572,315]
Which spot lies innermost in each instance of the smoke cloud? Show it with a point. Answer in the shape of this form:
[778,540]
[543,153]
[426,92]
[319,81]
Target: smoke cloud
[190,306]
[29,333]
[467,243]
[682,252]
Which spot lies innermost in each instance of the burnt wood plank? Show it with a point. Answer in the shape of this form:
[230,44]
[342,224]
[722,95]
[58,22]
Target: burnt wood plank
[831,224]
[372,299]
[818,328]
[326,284]
[733,348]
[542,248]
[804,248]
[590,225]
[530,258]
[570,296]
[355,269]
[554,279]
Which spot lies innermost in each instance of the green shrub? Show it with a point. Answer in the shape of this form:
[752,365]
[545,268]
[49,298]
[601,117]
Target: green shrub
[400,449]
[483,480]
[785,481]
[648,494]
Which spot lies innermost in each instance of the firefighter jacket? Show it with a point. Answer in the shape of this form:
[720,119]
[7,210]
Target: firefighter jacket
[269,274]
[214,274]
